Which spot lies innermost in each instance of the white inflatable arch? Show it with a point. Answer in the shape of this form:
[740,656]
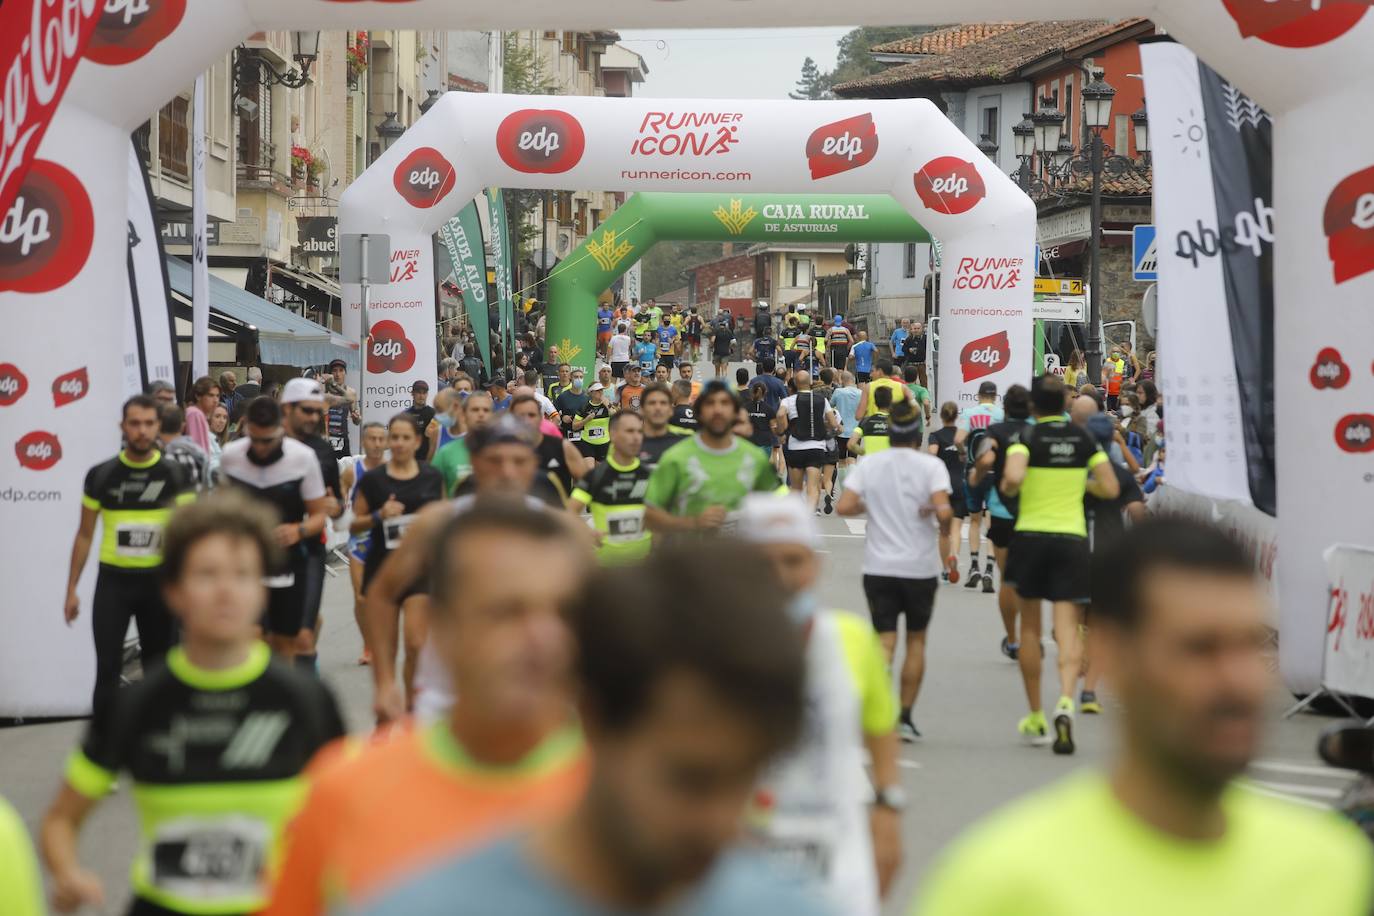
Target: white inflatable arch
[1306,61]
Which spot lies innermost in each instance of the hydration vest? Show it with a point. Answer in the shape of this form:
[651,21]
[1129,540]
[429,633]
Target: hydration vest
[809,424]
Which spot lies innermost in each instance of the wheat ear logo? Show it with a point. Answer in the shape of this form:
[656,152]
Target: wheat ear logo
[736,218]
[567,352]
[609,252]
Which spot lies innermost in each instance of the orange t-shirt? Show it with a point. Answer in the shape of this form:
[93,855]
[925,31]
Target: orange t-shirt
[378,813]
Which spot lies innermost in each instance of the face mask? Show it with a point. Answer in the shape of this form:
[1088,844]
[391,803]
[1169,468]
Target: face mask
[577,383]
[446,420]
[1127,411]
[802,608]
[1159,441]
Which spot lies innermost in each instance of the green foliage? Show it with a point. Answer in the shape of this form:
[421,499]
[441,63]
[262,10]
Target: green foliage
[665,262]
[813,84]
[523,70]
[853,60]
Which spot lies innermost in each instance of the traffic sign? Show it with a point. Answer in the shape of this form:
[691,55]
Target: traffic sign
[1145,254]
[1056,286]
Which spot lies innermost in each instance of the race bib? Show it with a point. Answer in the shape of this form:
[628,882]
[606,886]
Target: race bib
[393,529]
[210,858]
[285,580]
[575,435]
[134,539]
[624,524]
[731,524]
[811,859]
[338,443]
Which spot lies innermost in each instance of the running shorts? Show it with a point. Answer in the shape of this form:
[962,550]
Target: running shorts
[618,370]
[1051,567]
[801,458]
[1000,531]
[889,597]
[976,497]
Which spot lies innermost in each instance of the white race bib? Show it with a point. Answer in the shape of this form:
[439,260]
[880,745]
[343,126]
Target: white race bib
[624,524]
[209,858]
[138,539]
[395,528]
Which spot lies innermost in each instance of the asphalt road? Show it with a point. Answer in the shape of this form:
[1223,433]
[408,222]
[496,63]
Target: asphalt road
[969,762]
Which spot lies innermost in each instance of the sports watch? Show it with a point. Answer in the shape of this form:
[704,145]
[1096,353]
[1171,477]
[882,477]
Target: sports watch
[893,797]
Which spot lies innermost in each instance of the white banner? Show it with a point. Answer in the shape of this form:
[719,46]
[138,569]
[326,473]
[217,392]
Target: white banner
[200,270]
[1258,532]
[1349,664]
[149,354]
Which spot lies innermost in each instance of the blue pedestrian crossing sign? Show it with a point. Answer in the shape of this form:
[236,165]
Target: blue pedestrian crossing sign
[1145,254]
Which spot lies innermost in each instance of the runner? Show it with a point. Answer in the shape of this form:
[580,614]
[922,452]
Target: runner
[864,352]
[447,424]
[604,317]
[700,482]
[987,471]
[839,339]
[873,435]
[883,376]
[570,403]
[814,800]
[614,495]
[1189,644]
[912,377]
[669,343]
[374,456]
[214,741]
[763,349]
[845,400]
[692,328]
[1050,469]
[453,460]
[683,418]
[554,388]
[810,422]
[285,475]
[829,470]
[761,418]
[646,354]
[704,707]
[686,372]
[387,502]
[592,425]
[905,494]
[132,495]
[500,399]
[343,408]
[659,433]
[559,459]
[722,346]
[629,395]
[507,753]
[618,350]
[942,446]
[791,332]
[973,425]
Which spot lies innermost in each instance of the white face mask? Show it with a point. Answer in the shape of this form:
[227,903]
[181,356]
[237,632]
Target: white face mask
[1127,411]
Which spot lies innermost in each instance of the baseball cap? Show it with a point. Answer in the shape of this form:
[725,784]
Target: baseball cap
[337,362]
[420,385]
[597,386]
[767,518]
[503,430]
[987,389]
[302,389]
[497,381]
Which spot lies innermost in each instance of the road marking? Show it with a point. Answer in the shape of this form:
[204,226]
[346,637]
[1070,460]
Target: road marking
[847,536]
[1261,790]
[857,526]
[908,764]
[1296,769]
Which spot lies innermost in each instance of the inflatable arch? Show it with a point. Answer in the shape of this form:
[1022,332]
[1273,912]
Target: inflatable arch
[649,218]
[119,60]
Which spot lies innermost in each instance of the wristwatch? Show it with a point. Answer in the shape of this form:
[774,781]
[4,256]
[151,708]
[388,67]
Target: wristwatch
[893,797]
[301,529]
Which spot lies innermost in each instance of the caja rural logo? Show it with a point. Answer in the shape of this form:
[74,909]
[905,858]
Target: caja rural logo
[950,185]
[424,177]
[1349,225]
[129,29]
[985,356]
[45,236]
[1296,23]
[390,349]
[538,141]
[842,146]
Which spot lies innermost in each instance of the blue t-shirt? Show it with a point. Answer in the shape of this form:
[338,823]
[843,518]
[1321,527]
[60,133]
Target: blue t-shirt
[776,392]
[765,348]
[899,337]
[863,355]
[647,355]
[604,317]
[666,336]
[503,880]
[846,402]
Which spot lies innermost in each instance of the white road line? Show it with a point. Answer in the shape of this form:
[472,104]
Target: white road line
[857,526]
[1297,788]
[908,764]
[1259,790]
[845,536]
[1296,769]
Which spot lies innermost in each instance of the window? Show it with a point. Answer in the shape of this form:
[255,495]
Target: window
[909,260]
[174,137]
[799,272]
[992,124]
[1068,111]
[1123,134]
[255,133]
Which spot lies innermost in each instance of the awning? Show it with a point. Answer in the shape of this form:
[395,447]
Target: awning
[308,285]
[234,276]
[284,339]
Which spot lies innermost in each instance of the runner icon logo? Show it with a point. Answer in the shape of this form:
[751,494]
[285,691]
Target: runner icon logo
[842,146]
[1329,371]
[129,29]
[70,387]
[38,451]
[45,237]
[1295,23]
[13,384]
[1355,433]
[985,356]
[950,185]
[540,141]
[424,177]
[1349,225]
[391,350]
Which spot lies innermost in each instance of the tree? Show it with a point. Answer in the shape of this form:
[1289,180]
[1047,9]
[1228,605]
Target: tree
[813,84]
[665,262]
[524,73]
[853,60]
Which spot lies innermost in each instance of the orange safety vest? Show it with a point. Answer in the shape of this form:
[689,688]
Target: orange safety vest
[1115,375]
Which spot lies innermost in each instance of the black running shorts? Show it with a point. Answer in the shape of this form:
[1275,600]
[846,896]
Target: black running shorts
[889,597]
[1051,567]
[1000,531]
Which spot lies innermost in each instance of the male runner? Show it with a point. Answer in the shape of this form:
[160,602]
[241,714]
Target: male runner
[342,402]
[987,472]
[630,394]
[571,402]
[374,455]
[604,317]
[884,376]
[453,460]
[791,332]
[905,493]
[863,352]
[683,418]
[592,425]
[506,752]
[973,425]
[447,424]
[814,800]
[614,495]
[618,351]
[285,475]
[839,339]
[669,344]
[701,482]
[686,372]
[132,495]
[1051,469]
[722,346]
[1188,648]
[809,421]
[422,410]
[692,327]
[941,445]
[560,383]
[646,354]
[659,433]
[845,400]
[559,459]
[214,742]
[680,722]
[763,349]
[911,376]
[873,434]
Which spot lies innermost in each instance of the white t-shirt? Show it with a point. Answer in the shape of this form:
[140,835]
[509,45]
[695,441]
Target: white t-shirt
[620,348]
[789,404]
[896,485]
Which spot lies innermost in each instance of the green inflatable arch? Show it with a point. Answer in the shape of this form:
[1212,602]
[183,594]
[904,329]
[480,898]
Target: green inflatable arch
[649,218]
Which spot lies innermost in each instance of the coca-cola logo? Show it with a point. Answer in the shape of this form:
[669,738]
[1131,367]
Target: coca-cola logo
[13,384]
[389,349]
[985,356]
[40,44]
[1329,371]
[1296,23]
[38,451]
[950,185]
[1355,433]
[70,387]
[129,29]
[1349,225]
[988,273]
[45,235]
[842,146]
[424,177]
[540,141]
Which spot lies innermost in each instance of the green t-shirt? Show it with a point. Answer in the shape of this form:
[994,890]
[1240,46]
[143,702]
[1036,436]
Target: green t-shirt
[21,890]
[1031,859]
[454,462]
[691,478]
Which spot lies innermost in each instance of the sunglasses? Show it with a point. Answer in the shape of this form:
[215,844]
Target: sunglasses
[311,411]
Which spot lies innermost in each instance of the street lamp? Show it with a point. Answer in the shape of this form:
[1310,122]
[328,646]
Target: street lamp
[430,99]
[305,50]
[987,147]
[1097,109]
[390,130]
[1024,136]
[1141,122]
[1049,127]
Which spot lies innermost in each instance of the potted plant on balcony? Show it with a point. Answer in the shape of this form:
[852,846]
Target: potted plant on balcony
[314,168]
[357,58]
[301,158]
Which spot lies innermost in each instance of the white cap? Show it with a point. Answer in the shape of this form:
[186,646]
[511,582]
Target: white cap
[302,389]
[767,518]
[597,386]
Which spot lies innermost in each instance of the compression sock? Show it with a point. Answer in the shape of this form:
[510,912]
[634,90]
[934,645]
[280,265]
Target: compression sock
[309,663]
[906,714]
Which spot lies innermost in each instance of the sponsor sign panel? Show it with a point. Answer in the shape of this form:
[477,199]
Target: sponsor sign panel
[1348,666]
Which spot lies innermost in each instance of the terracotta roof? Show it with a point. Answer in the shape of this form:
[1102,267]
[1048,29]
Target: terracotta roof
[995,59]
[942,41]
[1131,184]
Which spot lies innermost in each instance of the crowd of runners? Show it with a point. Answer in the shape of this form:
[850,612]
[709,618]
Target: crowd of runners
[604,682]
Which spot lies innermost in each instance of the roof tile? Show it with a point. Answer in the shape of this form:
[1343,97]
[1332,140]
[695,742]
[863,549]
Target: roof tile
[945,40]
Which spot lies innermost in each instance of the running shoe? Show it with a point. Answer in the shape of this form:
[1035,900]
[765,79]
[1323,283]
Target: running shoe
[1063,726]
[952,570]
[1011,650]
[1034,730]
[829,504]
[1087,701]
[908,732]
[987,582]
[974,577]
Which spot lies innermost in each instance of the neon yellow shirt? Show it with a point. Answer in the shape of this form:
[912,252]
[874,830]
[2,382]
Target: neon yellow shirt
[21,890]
[1074,850]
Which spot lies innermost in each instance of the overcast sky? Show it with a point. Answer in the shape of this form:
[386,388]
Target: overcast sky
[728,63]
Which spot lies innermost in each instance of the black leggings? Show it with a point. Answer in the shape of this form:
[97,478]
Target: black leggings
[121,595]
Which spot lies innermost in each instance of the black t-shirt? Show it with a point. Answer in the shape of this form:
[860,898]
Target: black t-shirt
[916,348]
[1105,520]
[424,415]
[550,455]
[651,452]
[134,503]
[378,486]
[723,340]
[762,420]
[569,404]
[684,418]
[337,427]
[329,471]
[949,454]
[1005,435]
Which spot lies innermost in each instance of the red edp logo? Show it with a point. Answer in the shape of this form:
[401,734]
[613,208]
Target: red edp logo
[129,29]
[38,451]
[424,177]
[842,146]
[389,349]
[540,141]
[13,384]
[985,356]
[950,185]
[46,235]
[1296,23]
[1329,371]
[70,387]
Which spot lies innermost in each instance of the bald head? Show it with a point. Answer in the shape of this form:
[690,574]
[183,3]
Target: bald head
[445,400]
[1083,408]
[803,380]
